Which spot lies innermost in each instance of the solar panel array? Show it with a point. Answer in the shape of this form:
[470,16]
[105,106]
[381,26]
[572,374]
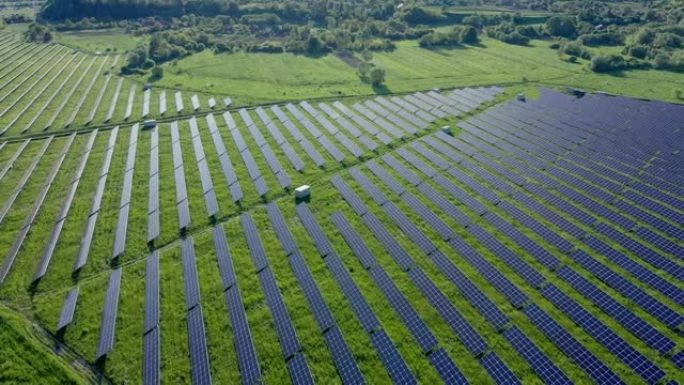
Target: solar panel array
[535,246]
[153,209]
[86,239]
[125,204]
[182,204]
[49,249]
[203,167]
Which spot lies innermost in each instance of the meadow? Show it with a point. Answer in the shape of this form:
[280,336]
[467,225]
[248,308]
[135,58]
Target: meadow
[252,78]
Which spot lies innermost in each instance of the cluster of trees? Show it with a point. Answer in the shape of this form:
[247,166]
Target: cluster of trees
[456,36]
[369,72]
[38,33]
[16,18]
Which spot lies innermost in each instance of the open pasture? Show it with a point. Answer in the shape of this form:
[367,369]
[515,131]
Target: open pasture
[254,78]
[533,242]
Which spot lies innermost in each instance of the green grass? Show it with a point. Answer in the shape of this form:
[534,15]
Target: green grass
[26,358]
[259,78]
[94,41]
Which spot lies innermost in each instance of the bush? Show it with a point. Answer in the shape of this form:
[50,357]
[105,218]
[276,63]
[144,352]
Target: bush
[607,38]
[563,26]
[638,51]
[609,63]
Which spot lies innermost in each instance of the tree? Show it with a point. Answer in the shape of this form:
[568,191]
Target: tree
[563,26]
[157,73]
[377,76]
[468,35]
[314,45]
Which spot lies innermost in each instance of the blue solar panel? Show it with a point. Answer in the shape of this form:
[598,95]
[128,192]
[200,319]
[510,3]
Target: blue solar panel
[530,246]
[637,326]
[498,369]
[678,359]
[444,204]
[68,309]
[394,363]
[386,178]
[409,228]
[401,257]
[493,275]
[343,358]
[571,347]
[248,362]
[192,290]
[223,258]
[517,264]
[604,335]
[471,292]
[466,333]
[199,354]
[402,170]
[349,195]
[111,307]
[448,371]
[460,195]
[256,249]
[299,370]
[538,360]
[152,292]
[286,332]
[368,186]
[314,229]
[637,270]
[651,305]
[151,359]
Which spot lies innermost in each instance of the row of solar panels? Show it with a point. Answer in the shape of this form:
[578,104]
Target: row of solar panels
[501,251]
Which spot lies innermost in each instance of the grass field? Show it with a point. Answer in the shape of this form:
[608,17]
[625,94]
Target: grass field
[99,40]
[25,358]
[257,78]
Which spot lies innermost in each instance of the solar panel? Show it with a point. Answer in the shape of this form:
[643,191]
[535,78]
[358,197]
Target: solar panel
[318,306]
[538,360]
[236,191]
[604,335]
[111,306]
[192,290]
[468,336]
[261,186]
[299,370]
[531,247]
[444,204]
[199,353]
[637,326]
[498,370]
[343,358]
[385,177]
[678,359]
[448,371]
[292,156]
[409,228]
[68,309]
[421,333]
[368,186]
[571,347]
[515,296]
[183,214]
[402,170]
[428,216]
[651,305]
[471,292]
[152,292]
[254,242]
[637,270]
[390,357]
[179,101]
[401,257]
[312,152]
[358,303]
[286,332]
[250,370]
[314,229]
[151,359]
